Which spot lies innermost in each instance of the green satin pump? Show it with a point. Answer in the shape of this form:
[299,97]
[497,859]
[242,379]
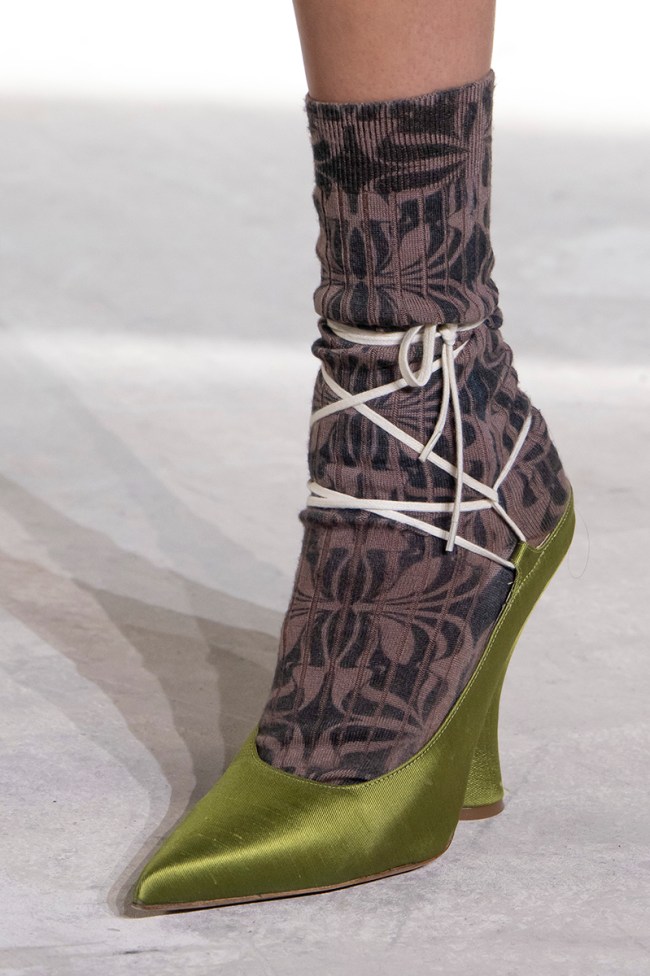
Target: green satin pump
[263,833]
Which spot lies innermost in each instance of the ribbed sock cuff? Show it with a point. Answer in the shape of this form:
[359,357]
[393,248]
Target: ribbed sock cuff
[403,197]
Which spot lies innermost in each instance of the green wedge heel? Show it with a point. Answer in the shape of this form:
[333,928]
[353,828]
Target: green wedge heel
[263,833]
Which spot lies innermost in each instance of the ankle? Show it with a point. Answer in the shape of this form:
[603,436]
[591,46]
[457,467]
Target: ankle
[351,455]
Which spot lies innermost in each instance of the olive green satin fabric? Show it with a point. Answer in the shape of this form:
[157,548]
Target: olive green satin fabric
[261,831]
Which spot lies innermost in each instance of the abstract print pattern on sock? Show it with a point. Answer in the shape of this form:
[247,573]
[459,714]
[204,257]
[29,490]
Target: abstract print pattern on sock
[384,628]
[403,199]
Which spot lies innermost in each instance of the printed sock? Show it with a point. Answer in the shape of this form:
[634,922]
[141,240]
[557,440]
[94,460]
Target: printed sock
[385,626]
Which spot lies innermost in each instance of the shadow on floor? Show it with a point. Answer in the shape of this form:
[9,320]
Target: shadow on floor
[188,686]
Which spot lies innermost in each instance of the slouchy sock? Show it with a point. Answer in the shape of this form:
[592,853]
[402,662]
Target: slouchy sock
[386,624]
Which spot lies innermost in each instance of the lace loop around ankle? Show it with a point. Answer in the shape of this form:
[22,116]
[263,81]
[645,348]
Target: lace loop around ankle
[427,335]
[321,497]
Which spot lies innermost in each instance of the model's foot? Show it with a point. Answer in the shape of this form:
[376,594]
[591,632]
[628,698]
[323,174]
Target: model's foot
[428,469]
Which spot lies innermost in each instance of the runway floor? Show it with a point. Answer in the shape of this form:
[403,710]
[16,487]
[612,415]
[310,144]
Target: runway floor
[148,253]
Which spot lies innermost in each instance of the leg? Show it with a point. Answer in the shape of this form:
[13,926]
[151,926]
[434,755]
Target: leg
[433,482]
[387,624]
[372,50]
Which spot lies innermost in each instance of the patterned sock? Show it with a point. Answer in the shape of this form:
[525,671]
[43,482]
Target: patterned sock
[385,626]
[403,200]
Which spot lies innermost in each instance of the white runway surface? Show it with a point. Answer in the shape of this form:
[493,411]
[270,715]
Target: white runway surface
[156,269]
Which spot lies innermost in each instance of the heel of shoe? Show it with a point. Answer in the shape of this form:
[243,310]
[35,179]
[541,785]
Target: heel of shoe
[484,790]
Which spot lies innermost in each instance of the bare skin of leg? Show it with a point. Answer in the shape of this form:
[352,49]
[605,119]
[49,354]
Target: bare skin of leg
[373,50]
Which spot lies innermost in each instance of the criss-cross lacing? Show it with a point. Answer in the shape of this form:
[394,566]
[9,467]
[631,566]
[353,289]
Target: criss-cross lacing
[398,511]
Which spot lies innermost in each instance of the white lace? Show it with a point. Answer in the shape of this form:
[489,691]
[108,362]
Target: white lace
[321,497]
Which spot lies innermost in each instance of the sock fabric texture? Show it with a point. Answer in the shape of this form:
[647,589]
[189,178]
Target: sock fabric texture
[385,627]
[403,200]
